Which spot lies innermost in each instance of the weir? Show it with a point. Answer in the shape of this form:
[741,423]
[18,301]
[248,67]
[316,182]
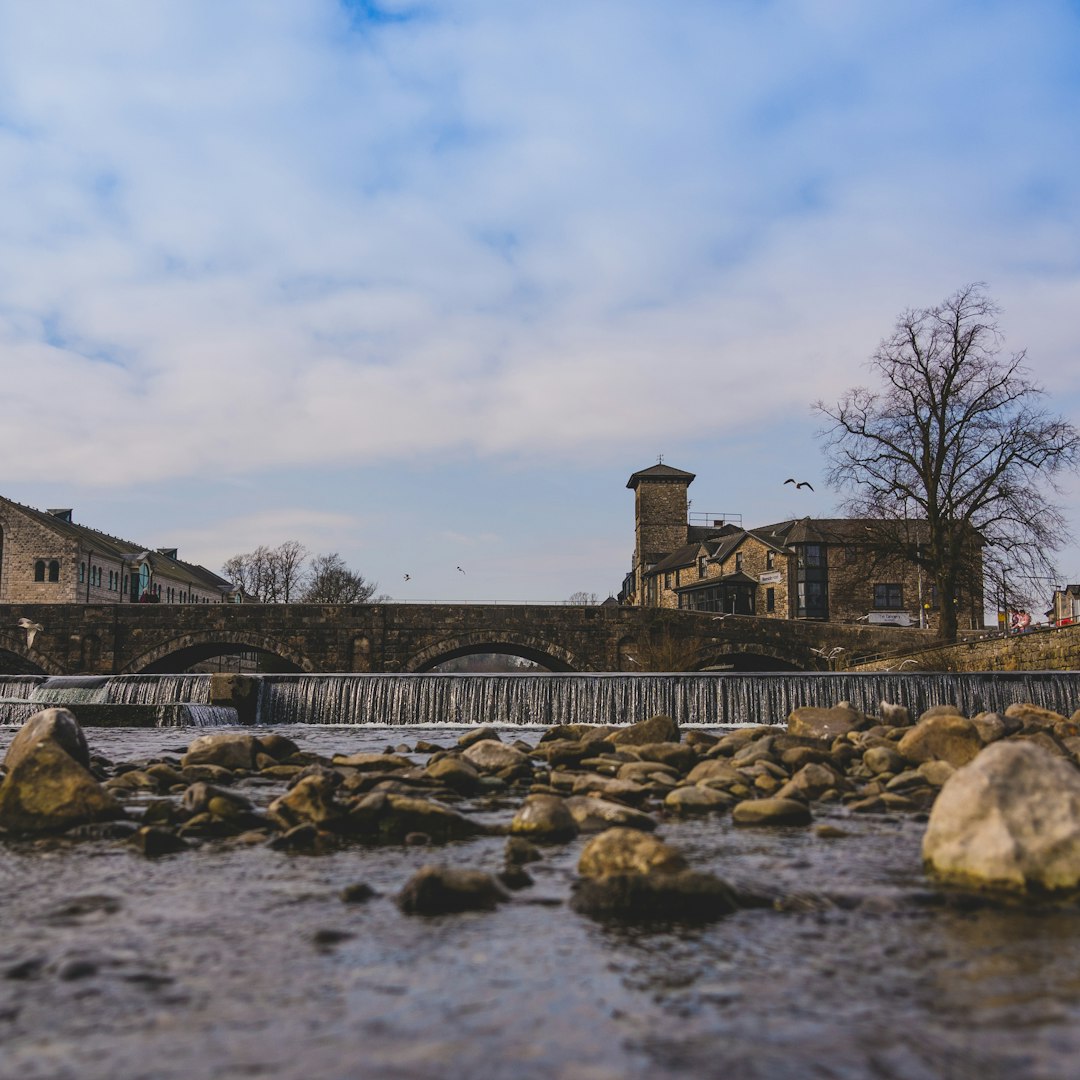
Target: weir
[622,699]
[526,700]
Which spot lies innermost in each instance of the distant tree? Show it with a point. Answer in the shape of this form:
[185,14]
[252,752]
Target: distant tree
[271,575]
[953,451]
[332,582]
[582,598]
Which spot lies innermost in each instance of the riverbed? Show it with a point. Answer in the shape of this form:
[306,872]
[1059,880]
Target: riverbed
[242,961]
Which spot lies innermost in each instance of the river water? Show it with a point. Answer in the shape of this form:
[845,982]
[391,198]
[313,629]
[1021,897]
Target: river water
[235,961]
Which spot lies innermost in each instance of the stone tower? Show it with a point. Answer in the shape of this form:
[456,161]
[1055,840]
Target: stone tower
[660,513]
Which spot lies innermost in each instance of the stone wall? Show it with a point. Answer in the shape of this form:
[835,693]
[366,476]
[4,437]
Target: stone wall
[1038,650]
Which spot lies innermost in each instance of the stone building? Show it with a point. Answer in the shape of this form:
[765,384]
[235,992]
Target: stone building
[821,569]
[46,558]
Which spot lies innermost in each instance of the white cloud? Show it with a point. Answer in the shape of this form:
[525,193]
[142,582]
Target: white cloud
[244,237]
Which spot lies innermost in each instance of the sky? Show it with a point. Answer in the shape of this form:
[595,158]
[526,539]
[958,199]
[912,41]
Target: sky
[423,283]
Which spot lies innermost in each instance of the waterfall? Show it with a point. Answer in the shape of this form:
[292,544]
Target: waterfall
[157,689]
[710,699]
[18,687]
[713,698]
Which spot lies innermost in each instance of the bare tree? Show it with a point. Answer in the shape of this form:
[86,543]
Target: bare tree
[581,597]
[271,575]
[332,582]
[954,452]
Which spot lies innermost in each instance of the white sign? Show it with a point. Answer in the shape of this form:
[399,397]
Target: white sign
[890,618]
[771,577]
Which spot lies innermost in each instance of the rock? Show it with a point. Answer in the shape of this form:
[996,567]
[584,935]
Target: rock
[818,723]
[514,877]
[439,890]
[58,726]
[306,838]
[680,757]
[753,752]
[203,798]
[310,800]
[797,756]
[935,773]
[154,841]
[47,790]
[390,818]
[894,715]
[696,800]
[884,759]
[810,782]
[371,762]
[687,896]
[643,771]
[593,815]
[477,735]
[1009,820]
[455,773]
[946,736]
[771,812]
[520,851]
[360,893]
[629,851]
[490,756]
[1032,716]
[277,746]
[544,818]
[133,780]
[224,751]
[990,727]
[656,729]
[571,751]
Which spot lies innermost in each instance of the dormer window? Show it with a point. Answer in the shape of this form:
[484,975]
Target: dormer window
[701,566]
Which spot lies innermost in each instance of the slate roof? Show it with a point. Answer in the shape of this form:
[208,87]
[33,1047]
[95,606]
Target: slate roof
[659,472]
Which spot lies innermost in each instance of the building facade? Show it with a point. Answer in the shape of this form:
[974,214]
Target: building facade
[47,558]
[819,569]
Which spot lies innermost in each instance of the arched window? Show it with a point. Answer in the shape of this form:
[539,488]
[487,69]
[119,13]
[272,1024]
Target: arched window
[54,569]
[82,572]
[39,570]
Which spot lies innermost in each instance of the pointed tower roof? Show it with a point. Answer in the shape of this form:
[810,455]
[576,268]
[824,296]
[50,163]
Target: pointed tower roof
[658,472]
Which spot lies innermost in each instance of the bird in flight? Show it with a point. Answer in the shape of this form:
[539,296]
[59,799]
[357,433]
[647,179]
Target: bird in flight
[407,576]
[32,630]
[799,483]
[460,571]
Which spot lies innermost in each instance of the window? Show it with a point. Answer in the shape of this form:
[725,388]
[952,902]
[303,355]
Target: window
[770,599]
[889,597]
[701,570]
[82,572]
[813,555]
[39,570]
[770,560]
[54,569]
[738,561]
[667,579]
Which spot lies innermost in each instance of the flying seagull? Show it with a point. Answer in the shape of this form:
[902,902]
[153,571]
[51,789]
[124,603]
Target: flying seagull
[407,577]
[799,483]
[460,571]
[32,630]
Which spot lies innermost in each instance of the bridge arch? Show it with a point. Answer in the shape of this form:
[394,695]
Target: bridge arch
[181,652]
[546,653]
[730,656]
[17,659]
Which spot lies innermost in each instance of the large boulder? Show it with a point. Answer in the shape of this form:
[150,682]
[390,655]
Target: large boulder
[1009,820]
[771,812]
[57,725]
[813,722]
[943,737]
[47,790]
[386,817]
[224,751]
[656,729]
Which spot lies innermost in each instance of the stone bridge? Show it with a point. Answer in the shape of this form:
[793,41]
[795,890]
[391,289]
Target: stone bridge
[166,638]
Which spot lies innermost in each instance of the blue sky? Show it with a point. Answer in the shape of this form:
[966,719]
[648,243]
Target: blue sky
[423,283]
